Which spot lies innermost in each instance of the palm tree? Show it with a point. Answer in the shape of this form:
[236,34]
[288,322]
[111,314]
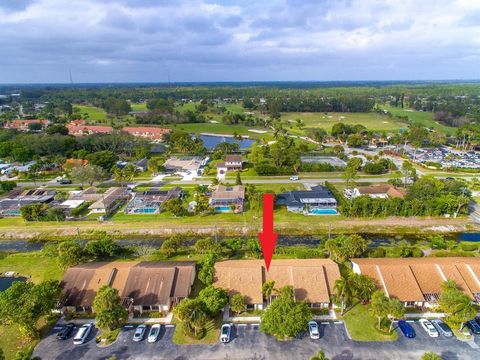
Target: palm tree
[267,288]
[344,290]
[397,311]
[380,306]
[364,287]
[320,356]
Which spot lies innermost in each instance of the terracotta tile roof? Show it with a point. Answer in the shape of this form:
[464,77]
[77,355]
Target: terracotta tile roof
[390,190]
[148,283]
[152,133]
[312,279]
[228,192]
[23,124]
[409,278]
[77,128]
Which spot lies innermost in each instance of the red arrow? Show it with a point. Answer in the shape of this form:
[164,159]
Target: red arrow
[268,238]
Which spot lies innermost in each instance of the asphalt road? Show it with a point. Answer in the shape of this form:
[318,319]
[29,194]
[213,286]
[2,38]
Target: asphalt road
[249,343]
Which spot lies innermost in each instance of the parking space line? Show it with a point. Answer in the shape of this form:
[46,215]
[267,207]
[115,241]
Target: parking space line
[242,325]
[325,323]
[338,322]
[169,326]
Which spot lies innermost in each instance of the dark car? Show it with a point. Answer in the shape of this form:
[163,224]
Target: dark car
[473,326]
[64,181]
[66,331]
[406,329]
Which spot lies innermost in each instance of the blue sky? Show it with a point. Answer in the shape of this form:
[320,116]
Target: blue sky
[238,40]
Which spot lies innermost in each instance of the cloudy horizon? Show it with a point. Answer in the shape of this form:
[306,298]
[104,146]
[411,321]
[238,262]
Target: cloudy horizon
[43,41]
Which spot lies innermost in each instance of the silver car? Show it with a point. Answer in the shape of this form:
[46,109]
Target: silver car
[313,330]
[140,332]
[442,328]
[225,333]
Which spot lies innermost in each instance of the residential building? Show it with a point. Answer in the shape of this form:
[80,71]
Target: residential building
[150,201]
[11,205]
[312,279]
[78,128]
[228,198]
[143,286]
[382,191]
[24,125]
[418,281]
[190,164]
[231,163]
[317,201]
[154,134]
[109,201]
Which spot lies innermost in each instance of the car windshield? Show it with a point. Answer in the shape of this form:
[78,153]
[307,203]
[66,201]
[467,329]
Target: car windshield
[154,331]
[443,327]
[225,330]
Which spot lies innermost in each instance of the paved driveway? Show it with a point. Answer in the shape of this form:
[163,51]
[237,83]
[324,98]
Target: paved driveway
[249,343]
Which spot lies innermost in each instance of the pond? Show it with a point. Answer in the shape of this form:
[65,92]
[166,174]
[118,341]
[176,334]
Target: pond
[6,282]
[210,141]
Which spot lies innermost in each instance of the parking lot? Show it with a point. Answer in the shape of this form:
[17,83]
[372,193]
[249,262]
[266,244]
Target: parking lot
[249,343]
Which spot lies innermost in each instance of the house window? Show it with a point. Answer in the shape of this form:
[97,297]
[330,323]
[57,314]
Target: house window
[155,308]
[146,308]
[250,307]
[409,303]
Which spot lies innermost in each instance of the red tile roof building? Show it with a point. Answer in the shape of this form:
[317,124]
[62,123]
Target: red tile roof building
[23,125]
[78,128]
[151,133]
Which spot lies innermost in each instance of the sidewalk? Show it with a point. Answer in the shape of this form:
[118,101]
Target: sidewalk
[163,320]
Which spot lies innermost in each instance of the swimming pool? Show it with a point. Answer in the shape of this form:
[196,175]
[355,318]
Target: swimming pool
[323,212]
[223,209]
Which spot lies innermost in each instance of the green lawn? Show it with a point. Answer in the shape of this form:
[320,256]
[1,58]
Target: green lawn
[211,337]
[93,112]
[33,265]
[37,268]
[361,325]
[372,121]
[138,106]
[421,117]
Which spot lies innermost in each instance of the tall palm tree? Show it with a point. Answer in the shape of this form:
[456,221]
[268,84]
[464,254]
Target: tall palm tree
[320,356]
[344,291]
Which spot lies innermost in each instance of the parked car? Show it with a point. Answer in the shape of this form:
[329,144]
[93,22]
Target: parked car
[225,333]
[406,329]
[428,327]
[66,331]
[313,330]
[294,178]
[154,332]
[64,181]
[82,334]
[140,331]
[443,328]
[473,326]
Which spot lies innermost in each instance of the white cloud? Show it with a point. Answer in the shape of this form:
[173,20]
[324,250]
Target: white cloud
[120,40]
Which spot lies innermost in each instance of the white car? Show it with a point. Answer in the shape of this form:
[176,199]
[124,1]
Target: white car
[154,332]
[428,327]
[225,333]
[294,178]
[313,330]
[82,334]
[140,332]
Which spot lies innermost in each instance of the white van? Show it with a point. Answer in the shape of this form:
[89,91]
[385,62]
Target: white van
[82,334]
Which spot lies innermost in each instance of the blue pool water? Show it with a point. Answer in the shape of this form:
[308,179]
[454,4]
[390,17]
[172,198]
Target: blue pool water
[210,141]
[223,209]
[323,212]
[6,282]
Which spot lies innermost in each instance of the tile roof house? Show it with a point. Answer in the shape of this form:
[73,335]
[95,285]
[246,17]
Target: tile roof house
[308,201]
[150,201]
[109,201]
[185,164]
[312,279]
[382,191]
[228,198]
[143,286]
[24,125]
[78,128]
[231,163]
[154,134]
[417,281]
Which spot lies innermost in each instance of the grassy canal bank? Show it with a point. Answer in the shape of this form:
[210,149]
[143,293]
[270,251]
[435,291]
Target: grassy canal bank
[246,224]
